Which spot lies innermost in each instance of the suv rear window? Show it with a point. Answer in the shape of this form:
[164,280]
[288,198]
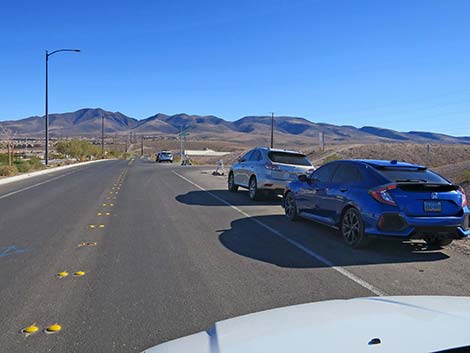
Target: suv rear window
[412,175]
[289,158]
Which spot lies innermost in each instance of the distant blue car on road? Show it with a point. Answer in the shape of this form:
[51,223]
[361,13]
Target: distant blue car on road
[374,198]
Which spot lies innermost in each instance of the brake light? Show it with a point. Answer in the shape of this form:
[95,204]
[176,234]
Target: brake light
[382,194]
[464,197]
[271,166]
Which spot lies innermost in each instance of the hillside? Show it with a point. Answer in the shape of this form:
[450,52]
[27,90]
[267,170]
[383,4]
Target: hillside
[250,129]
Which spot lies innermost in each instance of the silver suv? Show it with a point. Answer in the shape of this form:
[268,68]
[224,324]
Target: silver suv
[266,170]
[164,156]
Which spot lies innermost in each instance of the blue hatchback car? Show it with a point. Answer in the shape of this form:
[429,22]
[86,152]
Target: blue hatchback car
[373,198]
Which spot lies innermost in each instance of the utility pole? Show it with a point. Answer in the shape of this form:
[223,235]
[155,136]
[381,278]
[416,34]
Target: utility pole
[272,129]
[181,141]
[427,154]
[102,136]
[142,146]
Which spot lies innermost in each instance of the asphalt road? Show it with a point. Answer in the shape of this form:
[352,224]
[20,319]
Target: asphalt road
[176,253]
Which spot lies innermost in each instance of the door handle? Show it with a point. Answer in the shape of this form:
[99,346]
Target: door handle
[343,189]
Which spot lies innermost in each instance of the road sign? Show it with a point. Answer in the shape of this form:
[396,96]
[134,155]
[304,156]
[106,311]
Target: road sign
[183,134]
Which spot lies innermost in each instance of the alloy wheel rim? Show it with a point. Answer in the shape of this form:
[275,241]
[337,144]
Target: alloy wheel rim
[351,227]
[252,188]
[289,206]
[230,181]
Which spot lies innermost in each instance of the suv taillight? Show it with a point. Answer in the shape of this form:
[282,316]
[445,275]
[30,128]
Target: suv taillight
[464,197]
[382,195]
[270,166]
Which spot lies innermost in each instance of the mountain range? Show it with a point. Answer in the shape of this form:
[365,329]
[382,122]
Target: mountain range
[87,122]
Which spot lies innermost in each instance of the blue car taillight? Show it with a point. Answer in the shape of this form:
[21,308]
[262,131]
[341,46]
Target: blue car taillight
[382,195]
[464,197]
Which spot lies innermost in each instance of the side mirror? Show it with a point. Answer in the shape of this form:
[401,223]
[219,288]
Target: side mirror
[240,160]
[303,178]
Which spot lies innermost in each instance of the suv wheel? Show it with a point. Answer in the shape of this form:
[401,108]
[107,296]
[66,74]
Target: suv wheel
[290,207]
[253,189]
[352,229]
[231,183]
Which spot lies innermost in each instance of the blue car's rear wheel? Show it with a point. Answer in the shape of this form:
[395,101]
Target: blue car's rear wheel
[352,229]
[290,207]
[435,241]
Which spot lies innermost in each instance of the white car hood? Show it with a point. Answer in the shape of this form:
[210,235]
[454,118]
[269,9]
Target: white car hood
[403,324]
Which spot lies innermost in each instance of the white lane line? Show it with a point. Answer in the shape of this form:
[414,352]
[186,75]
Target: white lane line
[41,183]
[295,243]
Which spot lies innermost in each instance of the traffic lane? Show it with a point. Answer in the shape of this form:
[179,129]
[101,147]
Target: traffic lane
[58,217]
[165,274]
[395,267]
[25,183]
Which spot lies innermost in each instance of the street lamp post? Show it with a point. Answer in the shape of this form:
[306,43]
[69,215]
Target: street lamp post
[272,130]
[46,150]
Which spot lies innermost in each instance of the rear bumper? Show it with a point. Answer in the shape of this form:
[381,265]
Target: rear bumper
[272,184]
[402,226]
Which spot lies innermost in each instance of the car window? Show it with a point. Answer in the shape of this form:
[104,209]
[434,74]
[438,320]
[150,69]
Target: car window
[408,174]
[289,158]
[255,156]
[324,173]
[247,156]
[347,173]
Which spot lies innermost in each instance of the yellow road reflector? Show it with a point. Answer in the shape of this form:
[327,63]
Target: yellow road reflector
[79,273]
[62,274]
[92,226]
[29,330]
[87,244]
[108,214]
[101,225]
[99,214]
[54,328]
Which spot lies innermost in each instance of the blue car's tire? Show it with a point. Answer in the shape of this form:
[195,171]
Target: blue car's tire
[437,242]
[352,229]
[290,207]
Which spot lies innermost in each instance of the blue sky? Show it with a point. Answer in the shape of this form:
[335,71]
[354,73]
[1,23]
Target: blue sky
[397,64]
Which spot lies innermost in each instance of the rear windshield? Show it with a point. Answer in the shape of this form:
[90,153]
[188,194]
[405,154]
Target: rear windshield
[412,175]
[166,154]
[289,158]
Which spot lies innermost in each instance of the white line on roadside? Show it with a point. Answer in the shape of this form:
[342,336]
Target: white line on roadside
[41,183]
[298,245]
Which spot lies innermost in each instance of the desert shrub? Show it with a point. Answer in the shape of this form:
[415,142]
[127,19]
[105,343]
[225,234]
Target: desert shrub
[35,163]
[79,149]
[22,166]
[464,177]
[333,157]
[6,170]
[3,158]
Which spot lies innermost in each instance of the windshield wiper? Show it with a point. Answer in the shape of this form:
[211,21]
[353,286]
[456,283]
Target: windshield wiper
[411,181]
